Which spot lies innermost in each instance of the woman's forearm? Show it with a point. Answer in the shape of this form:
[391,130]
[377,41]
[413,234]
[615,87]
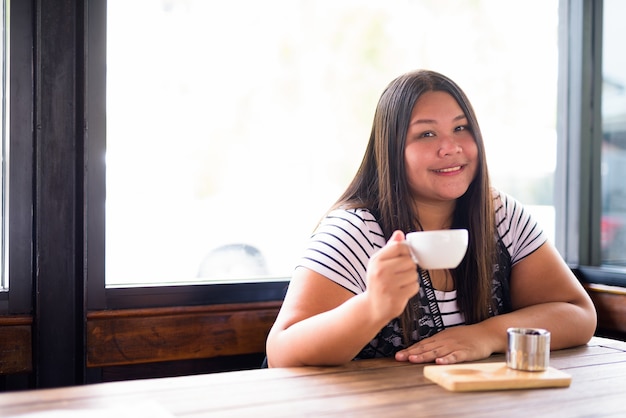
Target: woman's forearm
[330,338]
[569,324]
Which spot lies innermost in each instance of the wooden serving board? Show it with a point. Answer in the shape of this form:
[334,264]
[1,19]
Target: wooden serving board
[493,376]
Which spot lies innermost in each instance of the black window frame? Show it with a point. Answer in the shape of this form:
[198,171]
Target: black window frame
[578,198]
[99,296]
[18,299]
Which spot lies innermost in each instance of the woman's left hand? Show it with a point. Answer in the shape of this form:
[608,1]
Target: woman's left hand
[452,345]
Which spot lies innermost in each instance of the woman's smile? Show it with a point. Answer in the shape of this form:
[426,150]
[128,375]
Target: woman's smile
[450,170]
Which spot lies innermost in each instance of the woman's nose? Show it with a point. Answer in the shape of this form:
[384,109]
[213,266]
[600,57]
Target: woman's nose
[448,145]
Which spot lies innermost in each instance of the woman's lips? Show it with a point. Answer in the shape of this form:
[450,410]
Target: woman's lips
[449,169]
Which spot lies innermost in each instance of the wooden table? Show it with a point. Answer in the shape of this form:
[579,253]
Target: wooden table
[380,388]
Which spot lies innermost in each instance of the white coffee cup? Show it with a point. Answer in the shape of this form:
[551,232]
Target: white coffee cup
[440,249]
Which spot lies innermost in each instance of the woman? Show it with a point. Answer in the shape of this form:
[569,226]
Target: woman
[357,293]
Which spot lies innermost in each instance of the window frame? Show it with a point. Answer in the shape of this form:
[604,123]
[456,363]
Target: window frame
[577,203]
[99,295]
[579,146]
[579,130]
[18,299]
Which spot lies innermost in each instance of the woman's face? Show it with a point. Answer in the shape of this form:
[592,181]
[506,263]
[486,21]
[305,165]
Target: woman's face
[441,155]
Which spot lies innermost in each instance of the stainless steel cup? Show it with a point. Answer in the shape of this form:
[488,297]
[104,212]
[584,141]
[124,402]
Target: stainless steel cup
[528,349]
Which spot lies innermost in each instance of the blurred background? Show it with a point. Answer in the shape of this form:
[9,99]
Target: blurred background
[237,142]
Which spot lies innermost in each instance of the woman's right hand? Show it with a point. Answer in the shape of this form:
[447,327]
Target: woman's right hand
[392,278]
[318,314]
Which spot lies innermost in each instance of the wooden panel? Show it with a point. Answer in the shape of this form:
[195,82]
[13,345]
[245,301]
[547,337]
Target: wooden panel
[134,336]
[610,302]
[16,344]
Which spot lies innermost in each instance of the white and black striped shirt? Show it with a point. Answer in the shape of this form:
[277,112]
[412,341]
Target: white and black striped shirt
[345,240]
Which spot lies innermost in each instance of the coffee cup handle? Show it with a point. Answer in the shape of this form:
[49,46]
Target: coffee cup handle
[413,256]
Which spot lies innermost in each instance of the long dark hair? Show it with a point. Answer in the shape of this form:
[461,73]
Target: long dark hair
[381,185]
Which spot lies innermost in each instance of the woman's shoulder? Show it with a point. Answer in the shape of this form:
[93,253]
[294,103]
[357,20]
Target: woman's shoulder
[341,246]
[501,198]
[505,206]
[353,221]
[519,231]
[352,215]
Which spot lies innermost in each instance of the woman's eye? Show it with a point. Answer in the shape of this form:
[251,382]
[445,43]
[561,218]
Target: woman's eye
[428,134]
[460,128]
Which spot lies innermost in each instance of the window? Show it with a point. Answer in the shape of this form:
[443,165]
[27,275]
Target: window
[232,126]
[613,227]
[591,113]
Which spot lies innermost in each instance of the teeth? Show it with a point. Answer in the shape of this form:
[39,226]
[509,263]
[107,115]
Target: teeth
[447,170]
